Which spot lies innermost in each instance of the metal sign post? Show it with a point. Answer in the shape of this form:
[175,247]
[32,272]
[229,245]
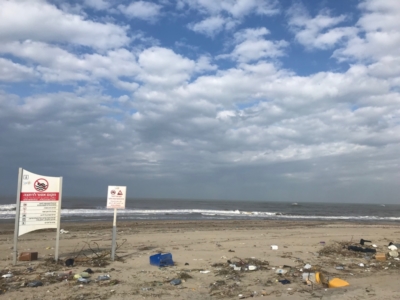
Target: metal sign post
[116,198]
[16,228]
[38,205]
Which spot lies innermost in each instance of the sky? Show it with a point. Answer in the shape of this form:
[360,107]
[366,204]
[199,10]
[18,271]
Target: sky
[200,99]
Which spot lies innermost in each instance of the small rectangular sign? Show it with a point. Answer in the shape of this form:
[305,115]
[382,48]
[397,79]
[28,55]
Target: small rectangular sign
[116,197]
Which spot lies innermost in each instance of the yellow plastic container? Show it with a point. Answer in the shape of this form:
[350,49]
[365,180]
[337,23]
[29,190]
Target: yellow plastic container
[337,282]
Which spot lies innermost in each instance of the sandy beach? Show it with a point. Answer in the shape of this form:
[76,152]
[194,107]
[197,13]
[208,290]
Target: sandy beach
[204,253]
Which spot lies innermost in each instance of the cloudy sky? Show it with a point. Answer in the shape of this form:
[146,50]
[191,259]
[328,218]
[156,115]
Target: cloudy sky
[203,99]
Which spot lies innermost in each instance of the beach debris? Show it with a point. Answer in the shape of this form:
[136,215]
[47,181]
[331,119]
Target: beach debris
[64,275]
[362,242]
[274,247]
[62,231]
[322,243]
[186,264]
[252,268]
[175,281]
[84,274]
[361,249]
[361,265]
[103,277]
[374,245]
[392,247]
[48,274]
[339,267]
[393,253]
[184,276]
[28,256]
[237,268]
[35,283]
[69,262]
[29,269]
[77,276]
[281,271]
[284,281]
[8,275]
[205,271]
[307,266]
[161,260]
[84,280]
[337,282]
[396,245]
[88,270]
[230,250]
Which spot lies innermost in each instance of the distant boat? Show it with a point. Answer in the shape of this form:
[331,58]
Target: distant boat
[294,204]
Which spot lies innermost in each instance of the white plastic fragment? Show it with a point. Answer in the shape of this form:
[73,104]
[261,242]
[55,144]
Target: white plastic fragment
[205,272]
[274,247]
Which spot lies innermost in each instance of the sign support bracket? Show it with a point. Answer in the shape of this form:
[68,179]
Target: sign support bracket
[16,228]
[58,222]
[114,236]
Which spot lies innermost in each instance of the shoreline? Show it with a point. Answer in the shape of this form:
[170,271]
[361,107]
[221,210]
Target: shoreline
[201,252]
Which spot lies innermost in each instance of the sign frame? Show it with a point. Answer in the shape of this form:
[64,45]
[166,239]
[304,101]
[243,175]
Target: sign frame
[116,199]
[40,207]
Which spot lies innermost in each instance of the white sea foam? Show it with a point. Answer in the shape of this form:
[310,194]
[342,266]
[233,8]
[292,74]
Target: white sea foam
[7,207]
[7,211]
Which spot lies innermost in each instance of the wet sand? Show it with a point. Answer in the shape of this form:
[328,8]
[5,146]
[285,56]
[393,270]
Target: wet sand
[198,247]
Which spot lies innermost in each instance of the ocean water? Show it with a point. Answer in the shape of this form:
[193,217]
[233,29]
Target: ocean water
[93,209]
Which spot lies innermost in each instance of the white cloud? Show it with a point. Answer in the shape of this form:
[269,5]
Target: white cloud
[41,21]
[13,72]
[317,32]
[379,34]
[252,46]
[226,14]
[209,26]
[97,4]
[161,66]
[141,10]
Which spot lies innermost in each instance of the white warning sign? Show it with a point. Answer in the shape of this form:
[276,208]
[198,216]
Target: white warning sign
[116,197]
[39,203]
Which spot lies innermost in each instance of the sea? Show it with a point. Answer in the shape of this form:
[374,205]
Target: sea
[94,209]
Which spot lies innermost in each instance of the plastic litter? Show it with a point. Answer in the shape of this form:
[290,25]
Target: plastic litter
[337,282]
[205,272]
[34,284]
[8,275]
[62,231]
[85,274]
[339,268]
[252,268]
[84,280]
[281,271]
[77,276]
[69,262]
[89,271]
[284,281]
[394,253]
[175,282]
[103,277]
[392,248]
[361,249]
[48,274]
[307,266]
[237,268]
[274,247]
[396,245]
[161,260]
[361,265]
[362,241]
[309,277]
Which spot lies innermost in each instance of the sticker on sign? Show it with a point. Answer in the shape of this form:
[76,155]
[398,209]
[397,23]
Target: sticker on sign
[116,197]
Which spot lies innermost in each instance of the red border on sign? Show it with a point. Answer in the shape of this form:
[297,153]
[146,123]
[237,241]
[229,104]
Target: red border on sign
[39,196]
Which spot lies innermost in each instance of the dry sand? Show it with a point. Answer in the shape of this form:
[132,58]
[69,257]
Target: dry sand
[202,246]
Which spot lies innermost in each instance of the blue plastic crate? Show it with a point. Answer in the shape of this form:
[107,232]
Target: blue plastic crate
[161,260]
